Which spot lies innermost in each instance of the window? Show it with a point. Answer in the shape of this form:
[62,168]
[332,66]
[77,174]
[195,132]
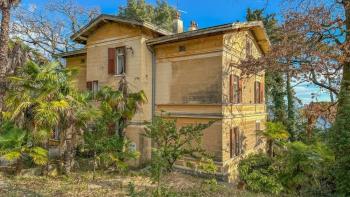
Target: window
[235,142]
[120,61]
[235,89]
[258,92]
[249,48]
[93,87]
[182,48]
[56,133]
[116,61]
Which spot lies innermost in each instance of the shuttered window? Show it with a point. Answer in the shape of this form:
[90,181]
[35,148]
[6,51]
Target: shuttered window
[235,89]
[93,87]
[116,61]
[258,92]
[249,48]
[235,142]
[111,61]
[120,61]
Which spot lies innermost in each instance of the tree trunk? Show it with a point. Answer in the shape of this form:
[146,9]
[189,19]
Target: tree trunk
[68,155]
[340,133]
[290,107]
[270,148]
[4,39]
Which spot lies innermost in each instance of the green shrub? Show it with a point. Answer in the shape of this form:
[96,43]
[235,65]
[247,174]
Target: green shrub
[257,173]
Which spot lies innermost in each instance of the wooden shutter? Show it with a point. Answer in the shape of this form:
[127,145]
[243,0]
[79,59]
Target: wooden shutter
[255,96]
[231,143]
[236,140]
[89,85]
[262,92]
[111,61]
[240,90]
[231,88]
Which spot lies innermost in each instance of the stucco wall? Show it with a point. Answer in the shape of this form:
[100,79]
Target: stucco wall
[138,60]
[189,76]
[79,63]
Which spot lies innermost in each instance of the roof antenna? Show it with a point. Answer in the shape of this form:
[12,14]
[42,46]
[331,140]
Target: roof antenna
[177,8]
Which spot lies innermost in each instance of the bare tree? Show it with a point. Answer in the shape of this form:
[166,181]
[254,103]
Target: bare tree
[49,28]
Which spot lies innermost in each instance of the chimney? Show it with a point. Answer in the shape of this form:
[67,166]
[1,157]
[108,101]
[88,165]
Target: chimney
[193,26]
[178,24]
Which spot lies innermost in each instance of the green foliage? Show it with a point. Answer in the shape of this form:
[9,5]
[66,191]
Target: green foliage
[340,142]
[304,168]
[109,147]
[173,143]
[276,131]
[276,136]
[117,108]
[162,14]
[16,144]
[257,172]
[40,95]
[299,169]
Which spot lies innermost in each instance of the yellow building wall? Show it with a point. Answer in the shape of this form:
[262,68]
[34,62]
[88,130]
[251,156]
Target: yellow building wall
[138,61]
[138,72]
[192,85]
[246,114]
[191,76]
[78,63]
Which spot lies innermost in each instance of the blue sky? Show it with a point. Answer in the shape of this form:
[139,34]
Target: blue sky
[208,13]
[205,12]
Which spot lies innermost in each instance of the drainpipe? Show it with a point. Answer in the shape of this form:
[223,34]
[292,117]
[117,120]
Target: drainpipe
[154,67]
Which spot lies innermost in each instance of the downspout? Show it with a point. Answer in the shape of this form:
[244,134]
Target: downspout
[154,72]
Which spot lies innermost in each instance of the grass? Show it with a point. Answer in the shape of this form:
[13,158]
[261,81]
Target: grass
[109,184]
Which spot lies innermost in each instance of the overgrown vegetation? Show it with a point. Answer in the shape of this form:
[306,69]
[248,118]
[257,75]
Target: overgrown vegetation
[298,168]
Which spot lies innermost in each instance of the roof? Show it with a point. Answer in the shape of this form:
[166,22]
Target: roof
[72,53]
[257,28]
[81,35]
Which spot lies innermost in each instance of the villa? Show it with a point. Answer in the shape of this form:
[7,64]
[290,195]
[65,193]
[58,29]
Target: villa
[191,75]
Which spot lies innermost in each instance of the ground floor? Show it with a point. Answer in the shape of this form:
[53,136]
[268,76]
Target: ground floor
[231,137]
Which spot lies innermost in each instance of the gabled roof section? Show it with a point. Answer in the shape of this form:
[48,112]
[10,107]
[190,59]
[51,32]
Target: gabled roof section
[81,35]
[72,53]
[256,27]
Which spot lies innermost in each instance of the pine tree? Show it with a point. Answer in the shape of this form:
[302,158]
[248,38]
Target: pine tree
[162,14]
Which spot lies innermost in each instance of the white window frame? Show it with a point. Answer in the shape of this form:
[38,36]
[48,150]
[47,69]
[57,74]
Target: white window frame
[119,52]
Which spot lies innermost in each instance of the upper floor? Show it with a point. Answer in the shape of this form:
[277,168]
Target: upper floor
[193,68]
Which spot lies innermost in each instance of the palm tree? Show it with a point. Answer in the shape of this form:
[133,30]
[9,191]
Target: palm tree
[17,144]
[275,134]
[41,98]
[5,7]
[119,106]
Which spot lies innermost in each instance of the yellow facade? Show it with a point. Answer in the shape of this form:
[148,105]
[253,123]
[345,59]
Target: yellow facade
[191,84]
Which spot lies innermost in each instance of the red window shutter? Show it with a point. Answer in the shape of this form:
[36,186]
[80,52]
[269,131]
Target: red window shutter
[89,85]
[231,143]
[262,92]
[231,88]
[240,90]
[111,61]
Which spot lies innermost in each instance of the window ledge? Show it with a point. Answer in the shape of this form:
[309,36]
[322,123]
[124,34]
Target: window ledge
[120,75]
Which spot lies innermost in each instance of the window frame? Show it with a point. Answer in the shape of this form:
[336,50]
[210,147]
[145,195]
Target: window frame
[235,89]
[235,142]
[257,92]
[116,60]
